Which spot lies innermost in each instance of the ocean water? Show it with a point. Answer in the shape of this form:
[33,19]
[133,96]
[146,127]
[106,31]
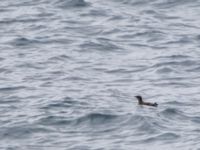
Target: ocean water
[69,71]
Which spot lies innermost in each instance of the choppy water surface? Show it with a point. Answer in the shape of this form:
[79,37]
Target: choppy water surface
[69,71]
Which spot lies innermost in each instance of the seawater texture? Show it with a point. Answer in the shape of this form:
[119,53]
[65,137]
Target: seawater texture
[69,71]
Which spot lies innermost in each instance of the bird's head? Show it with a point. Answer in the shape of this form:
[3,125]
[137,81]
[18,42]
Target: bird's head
[139,98]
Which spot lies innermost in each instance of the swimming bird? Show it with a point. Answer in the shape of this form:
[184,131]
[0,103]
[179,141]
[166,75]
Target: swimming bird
[141,102]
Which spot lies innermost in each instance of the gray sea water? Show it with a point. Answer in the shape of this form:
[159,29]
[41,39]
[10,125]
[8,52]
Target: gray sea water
[69,71]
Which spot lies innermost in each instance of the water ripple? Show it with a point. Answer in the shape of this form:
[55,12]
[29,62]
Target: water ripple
[71,3]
